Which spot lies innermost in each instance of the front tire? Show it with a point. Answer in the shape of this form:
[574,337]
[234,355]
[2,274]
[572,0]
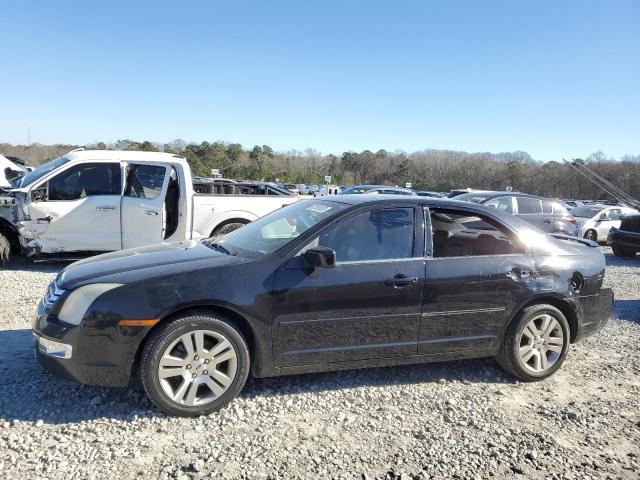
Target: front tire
[591,235]
[195,364]
[535,344]
[5,248]
[623,252]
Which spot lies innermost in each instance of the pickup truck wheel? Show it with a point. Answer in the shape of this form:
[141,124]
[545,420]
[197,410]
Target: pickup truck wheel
[623,251]
[535,344]
[195,364]
[5,248]
[591,235]
[227,228]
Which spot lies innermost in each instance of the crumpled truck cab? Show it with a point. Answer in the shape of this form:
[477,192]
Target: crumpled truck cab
[92,201]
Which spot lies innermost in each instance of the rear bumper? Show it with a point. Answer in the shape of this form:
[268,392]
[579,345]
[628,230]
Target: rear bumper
[622,238]
[594,312]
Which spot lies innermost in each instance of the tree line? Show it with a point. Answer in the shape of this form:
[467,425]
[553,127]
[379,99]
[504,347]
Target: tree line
[434,170]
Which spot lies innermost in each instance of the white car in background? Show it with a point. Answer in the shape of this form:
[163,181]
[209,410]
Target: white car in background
[595,221]
[9,170]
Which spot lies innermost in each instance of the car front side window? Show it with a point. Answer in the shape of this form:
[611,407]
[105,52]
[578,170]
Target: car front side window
[380,234]
[86,180]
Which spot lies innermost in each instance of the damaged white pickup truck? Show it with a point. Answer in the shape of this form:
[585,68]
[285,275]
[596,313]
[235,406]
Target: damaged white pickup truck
[90,201]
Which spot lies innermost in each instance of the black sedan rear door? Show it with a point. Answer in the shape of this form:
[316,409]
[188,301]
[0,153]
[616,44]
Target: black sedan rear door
[478,272]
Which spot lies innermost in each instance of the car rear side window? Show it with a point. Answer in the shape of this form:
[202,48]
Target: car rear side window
[86,180]
[145,181]
[501,203]
[529,206]
[458,234]
[373,235]
[547,207]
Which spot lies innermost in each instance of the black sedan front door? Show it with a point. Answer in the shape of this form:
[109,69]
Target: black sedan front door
[367,306]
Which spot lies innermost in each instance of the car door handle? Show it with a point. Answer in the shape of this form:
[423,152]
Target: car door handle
[547,221]
[400,281]
[105,208]
[151,212]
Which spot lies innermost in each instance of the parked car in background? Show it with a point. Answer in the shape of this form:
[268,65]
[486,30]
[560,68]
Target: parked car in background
[324,190]
[625,241]
[377,189]
[571,204]
[424,193]
[10,170]
[462,191]
[292,188]
[347,281]
[548,215]
[595,221]
[104,200]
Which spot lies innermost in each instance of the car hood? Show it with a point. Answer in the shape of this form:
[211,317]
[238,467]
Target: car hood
[121,266]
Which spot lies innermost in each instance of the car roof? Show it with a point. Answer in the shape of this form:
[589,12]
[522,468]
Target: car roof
[78,154]
[489,195]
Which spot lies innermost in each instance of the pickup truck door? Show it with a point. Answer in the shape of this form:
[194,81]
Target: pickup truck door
[78,209]
[142,207]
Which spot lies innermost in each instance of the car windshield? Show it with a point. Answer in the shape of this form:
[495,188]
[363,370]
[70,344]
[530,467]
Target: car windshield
[41,171]
[586,212]
[273,231]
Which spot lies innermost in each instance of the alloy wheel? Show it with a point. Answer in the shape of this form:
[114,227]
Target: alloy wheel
[541,343]
[591,235]
[197,367]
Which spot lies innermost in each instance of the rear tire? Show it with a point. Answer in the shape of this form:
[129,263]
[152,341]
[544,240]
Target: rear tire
[591,235]
[535,344]
[195,364]
[623,252]
[227,228]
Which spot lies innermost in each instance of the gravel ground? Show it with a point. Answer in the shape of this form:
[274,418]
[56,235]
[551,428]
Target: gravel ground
[462,419]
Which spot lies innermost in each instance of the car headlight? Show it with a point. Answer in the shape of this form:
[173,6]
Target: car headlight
[80,299]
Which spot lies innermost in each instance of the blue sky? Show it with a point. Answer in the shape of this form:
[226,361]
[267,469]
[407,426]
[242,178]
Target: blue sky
[554,78]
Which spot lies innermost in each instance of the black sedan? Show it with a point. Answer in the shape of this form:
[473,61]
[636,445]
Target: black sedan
[324,284]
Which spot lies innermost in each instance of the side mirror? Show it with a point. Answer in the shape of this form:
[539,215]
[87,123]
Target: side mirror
[320,257]
[39,194]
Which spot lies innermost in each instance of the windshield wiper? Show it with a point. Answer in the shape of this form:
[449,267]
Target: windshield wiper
[220,248]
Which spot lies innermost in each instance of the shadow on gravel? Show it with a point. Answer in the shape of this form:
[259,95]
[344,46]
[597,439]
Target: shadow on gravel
[25,264]
[28,393]
[613,261]
[627,310]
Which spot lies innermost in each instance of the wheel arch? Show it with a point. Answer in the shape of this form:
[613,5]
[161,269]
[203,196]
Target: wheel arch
[243,221]
[590,230]
[567,308]
[10,231]
[237,319]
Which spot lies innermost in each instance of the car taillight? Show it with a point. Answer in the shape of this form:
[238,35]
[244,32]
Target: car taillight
[571,220]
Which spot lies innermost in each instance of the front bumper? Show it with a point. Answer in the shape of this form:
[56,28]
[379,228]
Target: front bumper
[594,312]
[100,353]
